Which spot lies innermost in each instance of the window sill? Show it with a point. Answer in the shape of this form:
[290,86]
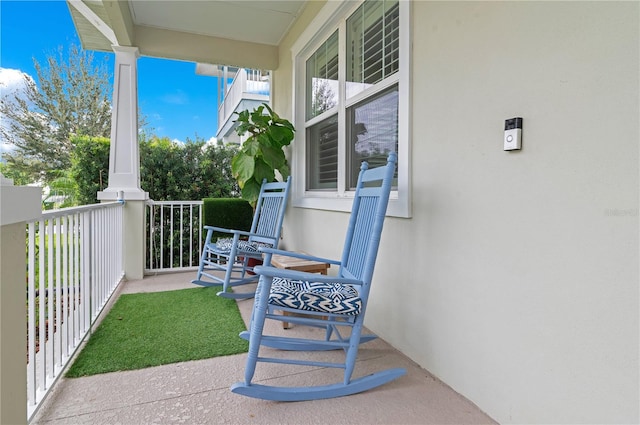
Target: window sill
[332,202]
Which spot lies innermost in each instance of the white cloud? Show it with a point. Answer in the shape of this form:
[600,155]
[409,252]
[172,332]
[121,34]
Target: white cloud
[178,142]
[13,83]
[211,142]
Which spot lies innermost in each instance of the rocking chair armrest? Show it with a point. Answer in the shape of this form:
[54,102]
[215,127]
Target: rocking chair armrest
[298,275]
[236,232]
[218,229]
[301,255]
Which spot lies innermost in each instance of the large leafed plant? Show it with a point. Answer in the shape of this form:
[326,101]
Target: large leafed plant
[262,153]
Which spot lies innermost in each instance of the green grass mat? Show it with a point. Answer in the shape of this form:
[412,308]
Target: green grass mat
[151,329]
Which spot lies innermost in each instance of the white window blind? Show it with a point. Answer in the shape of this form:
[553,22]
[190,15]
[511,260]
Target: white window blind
[322,78]
[322,158]
[372,44]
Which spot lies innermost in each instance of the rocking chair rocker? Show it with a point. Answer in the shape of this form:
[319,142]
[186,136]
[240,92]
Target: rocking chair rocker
[233,254]
[327,302]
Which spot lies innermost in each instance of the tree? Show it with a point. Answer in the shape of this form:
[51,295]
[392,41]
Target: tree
[322,97]
[72,100]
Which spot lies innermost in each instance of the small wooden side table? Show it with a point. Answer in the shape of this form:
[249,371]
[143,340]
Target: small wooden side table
[299,264]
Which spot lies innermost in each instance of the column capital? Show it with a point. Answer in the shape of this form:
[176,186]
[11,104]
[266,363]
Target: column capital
[132,50]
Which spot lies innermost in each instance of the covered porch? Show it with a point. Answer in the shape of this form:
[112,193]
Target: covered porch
[197,392]
[511,276]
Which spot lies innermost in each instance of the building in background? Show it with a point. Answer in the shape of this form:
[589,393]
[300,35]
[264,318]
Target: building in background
[238,89]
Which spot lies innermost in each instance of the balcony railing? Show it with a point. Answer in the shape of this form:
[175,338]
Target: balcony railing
[250,84]
[74,264]
[174,235]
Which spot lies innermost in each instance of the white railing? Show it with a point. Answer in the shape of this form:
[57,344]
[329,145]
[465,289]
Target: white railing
[246,85]
[74,264]
[174,235]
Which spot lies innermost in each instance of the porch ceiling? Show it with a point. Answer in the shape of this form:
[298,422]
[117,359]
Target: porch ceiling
[227,32]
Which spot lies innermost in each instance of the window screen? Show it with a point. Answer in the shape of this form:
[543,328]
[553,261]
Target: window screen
[373,132]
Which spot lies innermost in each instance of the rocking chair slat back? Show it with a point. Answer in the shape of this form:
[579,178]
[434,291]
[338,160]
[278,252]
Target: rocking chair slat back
[365,226]
[269,217]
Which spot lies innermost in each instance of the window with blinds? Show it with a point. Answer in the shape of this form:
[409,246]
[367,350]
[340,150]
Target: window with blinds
[352,85]
[372,44]
[367,47]
[322,155]
[322,78]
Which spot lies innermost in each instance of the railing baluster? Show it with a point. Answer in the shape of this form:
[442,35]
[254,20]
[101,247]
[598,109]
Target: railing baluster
[200,231]
[181,230]
[40,357]
[75,277]
[171,212]
[72,280]
[86,281]
[31,320]
[59,300]
[161,247]
[190,234]
[65,286]
[96,273]
[149,222]
[50,296]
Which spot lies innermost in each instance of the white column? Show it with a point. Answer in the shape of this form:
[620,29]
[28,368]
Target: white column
[18,204]
[124,160]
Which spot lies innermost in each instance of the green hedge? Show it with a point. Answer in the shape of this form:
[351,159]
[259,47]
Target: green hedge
[229,213]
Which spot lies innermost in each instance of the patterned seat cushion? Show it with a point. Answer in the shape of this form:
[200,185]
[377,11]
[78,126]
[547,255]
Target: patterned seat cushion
[334,298]
[225,244]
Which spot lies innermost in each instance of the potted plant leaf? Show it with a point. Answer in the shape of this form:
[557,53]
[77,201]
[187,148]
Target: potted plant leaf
[262,153]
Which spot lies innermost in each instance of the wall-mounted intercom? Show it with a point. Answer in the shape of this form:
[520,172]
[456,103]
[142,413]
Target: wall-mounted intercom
[513,134]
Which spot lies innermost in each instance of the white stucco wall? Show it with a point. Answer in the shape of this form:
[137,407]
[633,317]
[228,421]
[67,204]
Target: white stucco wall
[516,281]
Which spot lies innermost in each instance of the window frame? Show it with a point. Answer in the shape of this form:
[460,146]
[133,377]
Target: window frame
[333,16]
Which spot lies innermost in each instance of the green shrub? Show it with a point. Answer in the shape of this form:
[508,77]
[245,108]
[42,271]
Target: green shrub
[168,171]
[89,167]
[228,213]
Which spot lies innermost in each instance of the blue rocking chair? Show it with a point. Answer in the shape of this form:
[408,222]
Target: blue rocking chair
[327,302]
[232,255]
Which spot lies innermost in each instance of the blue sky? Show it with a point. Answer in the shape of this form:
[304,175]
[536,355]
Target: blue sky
[176,102]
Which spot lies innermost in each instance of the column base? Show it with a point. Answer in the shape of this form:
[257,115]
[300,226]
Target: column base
[127,194]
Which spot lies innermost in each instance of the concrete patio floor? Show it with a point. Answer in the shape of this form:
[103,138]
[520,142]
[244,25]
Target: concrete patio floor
[198,392]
